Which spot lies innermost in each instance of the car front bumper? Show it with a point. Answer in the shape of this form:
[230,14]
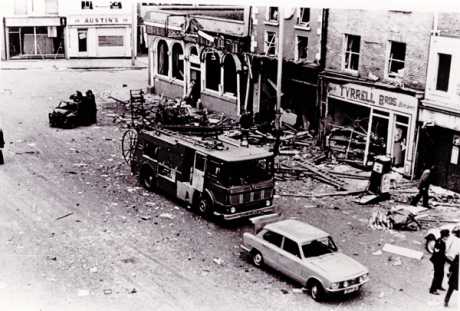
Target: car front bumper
[245,214]
[347,290]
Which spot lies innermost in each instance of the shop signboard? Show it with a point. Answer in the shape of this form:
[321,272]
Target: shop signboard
[372,96]
[99,20]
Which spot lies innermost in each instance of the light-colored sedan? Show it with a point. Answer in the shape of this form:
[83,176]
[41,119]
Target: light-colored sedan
[306,254]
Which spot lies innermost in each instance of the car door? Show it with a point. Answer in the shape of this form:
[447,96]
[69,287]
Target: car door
[271,248]
[290,259]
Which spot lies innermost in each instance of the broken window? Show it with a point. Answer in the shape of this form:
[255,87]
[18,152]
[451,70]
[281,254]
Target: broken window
[442,80]
[87,5]
[270,43]
[302,47]
[352,52]
[273,13]
[396,59]
[304,18]
[229,75]
[177,62]
[212,71]
[163,61]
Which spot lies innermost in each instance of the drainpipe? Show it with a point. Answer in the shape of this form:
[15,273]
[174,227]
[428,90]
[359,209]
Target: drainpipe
[279,76]
[323,44]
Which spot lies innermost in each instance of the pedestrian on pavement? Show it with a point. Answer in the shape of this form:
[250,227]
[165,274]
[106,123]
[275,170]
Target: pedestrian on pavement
[453,280]
[439,260]
[423,187]
[2,145]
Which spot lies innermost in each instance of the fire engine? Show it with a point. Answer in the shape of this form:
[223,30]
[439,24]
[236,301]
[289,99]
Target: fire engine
[216,176]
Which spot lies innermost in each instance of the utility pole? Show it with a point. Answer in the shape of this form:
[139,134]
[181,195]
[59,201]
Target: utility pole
[279,79]
[133,32]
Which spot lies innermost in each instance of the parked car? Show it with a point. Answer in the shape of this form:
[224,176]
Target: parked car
[79,110]
[65,115]
[433,234]
[306,254]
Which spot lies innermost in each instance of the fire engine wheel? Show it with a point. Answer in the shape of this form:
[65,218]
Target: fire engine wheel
[147,179]
[204,206]
[128,145]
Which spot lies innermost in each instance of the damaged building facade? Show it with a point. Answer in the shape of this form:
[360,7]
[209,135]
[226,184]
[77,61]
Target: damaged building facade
[301,46]
[440,110]
[373,83]
[199,52]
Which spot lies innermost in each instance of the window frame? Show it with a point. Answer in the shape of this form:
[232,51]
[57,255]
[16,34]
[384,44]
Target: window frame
[390,74]
[299,252]
[180,62]
[300,21]
[267,45]
[165,58]
[296,56]
[345,51]
[280,246]
[436,78]
[268,16]
[219,64]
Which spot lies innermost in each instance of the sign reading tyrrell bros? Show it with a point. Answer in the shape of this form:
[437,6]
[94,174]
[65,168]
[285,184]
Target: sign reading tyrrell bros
[99,20]
[373,97]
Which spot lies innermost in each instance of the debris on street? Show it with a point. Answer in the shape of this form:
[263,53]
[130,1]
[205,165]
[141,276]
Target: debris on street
[64,216]
[82,292]
[403,251]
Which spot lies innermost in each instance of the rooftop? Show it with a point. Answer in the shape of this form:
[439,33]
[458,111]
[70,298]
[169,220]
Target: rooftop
[297,230]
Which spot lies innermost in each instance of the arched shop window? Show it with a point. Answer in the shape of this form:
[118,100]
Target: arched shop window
[229,75]
[178,62]
[212,71]
[163,61]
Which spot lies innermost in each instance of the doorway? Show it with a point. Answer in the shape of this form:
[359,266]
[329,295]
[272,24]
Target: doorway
[82,40]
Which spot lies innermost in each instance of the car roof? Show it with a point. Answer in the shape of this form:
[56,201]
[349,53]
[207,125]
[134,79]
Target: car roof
[296,230]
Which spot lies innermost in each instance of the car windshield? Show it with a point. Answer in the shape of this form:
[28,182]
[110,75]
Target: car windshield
[247,172]
[319,247]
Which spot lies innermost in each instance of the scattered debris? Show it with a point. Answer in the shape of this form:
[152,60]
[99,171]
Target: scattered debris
[53,258]
[218,261]
[83,292]
[377,253]
[166,215]
[402,251]
[64,216]
[132,291]
[107,291]
[93,270]
[146,217]
[129,260]
[284,291]
[298,290]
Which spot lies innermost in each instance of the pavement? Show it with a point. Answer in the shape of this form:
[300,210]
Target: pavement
[140,62]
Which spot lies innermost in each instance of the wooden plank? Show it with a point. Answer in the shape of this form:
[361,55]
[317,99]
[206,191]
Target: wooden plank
[403,251]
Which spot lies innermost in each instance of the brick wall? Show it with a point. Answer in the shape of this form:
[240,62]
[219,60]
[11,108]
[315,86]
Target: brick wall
[291,30]
[449,24]
[376,29]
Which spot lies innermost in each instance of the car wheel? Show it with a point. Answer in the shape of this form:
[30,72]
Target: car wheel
[316,291]
[148,180]
[429,245]
[257,258]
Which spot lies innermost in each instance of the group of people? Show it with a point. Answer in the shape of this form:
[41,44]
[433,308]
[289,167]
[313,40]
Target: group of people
[445,251]
[87,109]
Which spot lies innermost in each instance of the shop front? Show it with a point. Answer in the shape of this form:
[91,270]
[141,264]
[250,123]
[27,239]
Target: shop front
[34,37]
[363,121]
[440,131]
[99,36]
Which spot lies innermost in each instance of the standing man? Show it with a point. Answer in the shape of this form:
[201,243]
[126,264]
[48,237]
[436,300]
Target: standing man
[453,280]
[439,259]
[423,187]
[2,145]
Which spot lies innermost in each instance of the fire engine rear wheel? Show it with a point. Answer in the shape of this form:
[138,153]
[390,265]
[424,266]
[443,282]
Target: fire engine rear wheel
[148,179]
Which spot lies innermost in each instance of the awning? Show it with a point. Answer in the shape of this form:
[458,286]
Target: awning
[34,21]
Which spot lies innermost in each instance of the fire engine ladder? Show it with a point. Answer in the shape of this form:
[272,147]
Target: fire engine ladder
[136,103]
[191,140]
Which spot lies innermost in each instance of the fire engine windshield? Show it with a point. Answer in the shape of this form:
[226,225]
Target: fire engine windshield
[247,172]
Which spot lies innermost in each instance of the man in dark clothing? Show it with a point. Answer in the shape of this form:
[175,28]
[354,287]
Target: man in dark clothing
[423,187]
[453,280]
[439,259]
[2,145]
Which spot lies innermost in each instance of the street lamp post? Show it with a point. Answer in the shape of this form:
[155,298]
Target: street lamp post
[279,79]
